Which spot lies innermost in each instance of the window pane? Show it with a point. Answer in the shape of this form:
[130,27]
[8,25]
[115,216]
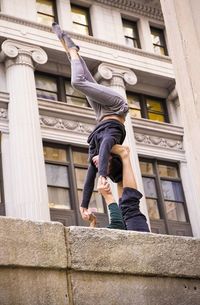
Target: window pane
[45,7]
[58,198]
[153,105]
[167,171]
[157,37]
[44,19]
[55,154]
[80,177]
[81,29]
[134,101]
[135,113]
[57,175]
[152,206]
[80,157]
[77,101]
[175,211]
[149,187]
[146,168]
[79,15]
[156,117]
[172,190]
[159,50]
[47,95]
[71,91]
[95,202]
[46,83]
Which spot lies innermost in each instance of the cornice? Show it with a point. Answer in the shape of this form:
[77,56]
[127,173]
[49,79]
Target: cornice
[136,7]
[88,39]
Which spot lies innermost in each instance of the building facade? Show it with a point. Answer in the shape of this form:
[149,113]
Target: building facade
[44,122]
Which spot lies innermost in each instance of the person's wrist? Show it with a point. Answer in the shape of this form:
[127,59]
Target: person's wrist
[109,199]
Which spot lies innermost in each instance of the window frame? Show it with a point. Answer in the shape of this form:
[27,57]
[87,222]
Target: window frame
[162,35]
[61,214]
[55,16]
[143,106]
[134,26]
[160,197]
[87,10]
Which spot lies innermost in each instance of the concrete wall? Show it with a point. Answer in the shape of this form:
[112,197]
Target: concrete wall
[46,263]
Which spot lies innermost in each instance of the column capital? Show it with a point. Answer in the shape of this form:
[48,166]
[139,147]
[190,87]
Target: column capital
[18,53]
[110,71]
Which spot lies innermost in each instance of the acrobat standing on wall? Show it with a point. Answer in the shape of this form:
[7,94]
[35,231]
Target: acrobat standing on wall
[110,109]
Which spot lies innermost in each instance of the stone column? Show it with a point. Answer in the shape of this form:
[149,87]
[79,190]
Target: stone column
[182,26]
[118,77]
[26,189]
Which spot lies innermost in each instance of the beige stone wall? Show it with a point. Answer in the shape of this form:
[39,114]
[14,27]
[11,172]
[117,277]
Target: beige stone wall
[46,263]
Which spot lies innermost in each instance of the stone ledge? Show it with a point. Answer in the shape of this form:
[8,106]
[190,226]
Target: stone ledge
[32,244]
[115,251]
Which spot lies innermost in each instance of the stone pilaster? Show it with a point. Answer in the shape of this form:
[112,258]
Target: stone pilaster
[25,187]
[118,77]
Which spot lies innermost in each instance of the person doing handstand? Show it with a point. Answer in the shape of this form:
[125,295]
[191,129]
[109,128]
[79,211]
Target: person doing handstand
[110,109]
[126,216]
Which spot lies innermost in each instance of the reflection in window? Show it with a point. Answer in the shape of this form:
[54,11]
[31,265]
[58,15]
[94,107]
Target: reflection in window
[80,19]
[134,105]
[73,96]
[163,190]
[58,186]
[158,41]
[46,87]
[151,108]
[131,34]
[45,11]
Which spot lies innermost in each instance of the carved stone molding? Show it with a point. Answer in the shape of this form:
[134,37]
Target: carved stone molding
[159,141]
[88,39]
[57,123]
[118,75]
[22,54]
[3,113]
[137,7]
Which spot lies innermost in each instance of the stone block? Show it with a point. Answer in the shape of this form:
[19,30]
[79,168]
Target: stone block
[115,251]
[117,289]
[33,244]
[28,286]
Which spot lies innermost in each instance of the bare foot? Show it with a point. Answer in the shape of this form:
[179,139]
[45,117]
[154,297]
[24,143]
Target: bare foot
[122,151]
[88,216]
[92,220]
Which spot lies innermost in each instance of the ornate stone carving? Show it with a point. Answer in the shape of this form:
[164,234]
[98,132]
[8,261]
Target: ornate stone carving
[3,113]
[74,126]
[22,54]
[118,75]
[159,141]
[139,7]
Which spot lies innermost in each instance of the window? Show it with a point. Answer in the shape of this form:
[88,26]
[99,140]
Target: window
[164,195]
[74,97]
[81,20]
[158,41]
[152,108]
[56,88]
[66,169]
[131,34]
[46,11]
[46,87]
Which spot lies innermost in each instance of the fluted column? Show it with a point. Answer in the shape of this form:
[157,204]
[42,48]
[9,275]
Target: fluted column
[118,77]
[26,189]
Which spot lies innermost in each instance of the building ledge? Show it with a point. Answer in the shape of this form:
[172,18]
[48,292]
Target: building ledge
[104,265]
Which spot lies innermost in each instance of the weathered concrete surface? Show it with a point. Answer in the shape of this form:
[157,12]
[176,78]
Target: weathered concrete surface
[47,264]
[104,289]
[116,251]
[28,243]
[33,287]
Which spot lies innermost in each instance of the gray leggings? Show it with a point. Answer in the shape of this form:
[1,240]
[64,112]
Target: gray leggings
[98,96]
